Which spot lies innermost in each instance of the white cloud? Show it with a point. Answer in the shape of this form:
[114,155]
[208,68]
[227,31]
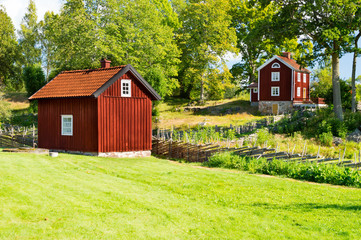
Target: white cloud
[16,8]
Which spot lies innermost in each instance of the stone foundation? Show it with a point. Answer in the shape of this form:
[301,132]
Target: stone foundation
[109,154]
[265,107]
[126,154]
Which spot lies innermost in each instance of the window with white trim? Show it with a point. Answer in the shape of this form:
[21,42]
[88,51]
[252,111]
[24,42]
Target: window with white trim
[275,76]
[126,88]
[67,125]
[298,77]
[298,92]
[276,65]
[275,91]
[255,90]
[304,77]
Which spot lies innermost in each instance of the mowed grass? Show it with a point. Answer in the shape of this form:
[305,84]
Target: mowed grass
[80,197]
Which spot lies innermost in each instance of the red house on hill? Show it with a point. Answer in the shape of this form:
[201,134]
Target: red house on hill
[282,84]
[105,112]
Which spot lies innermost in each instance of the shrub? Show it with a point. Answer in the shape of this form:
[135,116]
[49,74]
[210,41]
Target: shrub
[321,173]
[5,112]
[326,138]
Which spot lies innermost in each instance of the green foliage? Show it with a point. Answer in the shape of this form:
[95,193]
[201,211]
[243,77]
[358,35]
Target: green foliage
[204,38]
[5,111]
[218,83]
[30,37]
[321,173]
[326,138]
[263,135]
[10,56]
[34,79]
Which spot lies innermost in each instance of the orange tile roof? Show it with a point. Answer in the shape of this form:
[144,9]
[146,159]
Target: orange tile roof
[294,64]
[76,83]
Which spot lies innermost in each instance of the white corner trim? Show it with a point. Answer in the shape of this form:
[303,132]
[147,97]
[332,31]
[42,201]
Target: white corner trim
[258,85]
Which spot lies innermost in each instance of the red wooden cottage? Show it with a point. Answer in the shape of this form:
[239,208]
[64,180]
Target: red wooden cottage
[282,84]
[105,112]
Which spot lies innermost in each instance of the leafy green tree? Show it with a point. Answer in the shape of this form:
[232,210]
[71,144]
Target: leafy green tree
[204,38]
[218,83]
[140,33]
[328,23]
[322,82]
[29,37]
[34,79]
[253,21]
[9,53]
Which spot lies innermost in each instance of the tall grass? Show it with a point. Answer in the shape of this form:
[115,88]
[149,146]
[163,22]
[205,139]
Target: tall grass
[314,172]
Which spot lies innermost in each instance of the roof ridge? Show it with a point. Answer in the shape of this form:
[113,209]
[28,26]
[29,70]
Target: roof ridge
[91,70]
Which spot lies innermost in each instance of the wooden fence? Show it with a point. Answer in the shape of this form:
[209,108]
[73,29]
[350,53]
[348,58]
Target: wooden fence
[240,129]
[201,152]
[15,136]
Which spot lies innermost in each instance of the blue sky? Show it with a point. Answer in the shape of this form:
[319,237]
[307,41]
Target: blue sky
[16,10]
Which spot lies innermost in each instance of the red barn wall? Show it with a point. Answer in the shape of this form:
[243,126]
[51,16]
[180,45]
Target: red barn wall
[125,123]
[84,111]
[285,82]
[254,96]
[301,85]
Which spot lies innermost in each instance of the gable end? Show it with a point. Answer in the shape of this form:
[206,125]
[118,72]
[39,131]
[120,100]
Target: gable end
[124,70]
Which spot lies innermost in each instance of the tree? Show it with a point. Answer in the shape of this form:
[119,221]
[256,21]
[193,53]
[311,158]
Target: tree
[354,61]
[29,37]
[34,79]
[9,53]
[328,23]
[253,21]
[204,38]
[133,32]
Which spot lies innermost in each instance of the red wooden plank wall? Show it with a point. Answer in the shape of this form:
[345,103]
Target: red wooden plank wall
[284,83]
[84,111]
[125,123]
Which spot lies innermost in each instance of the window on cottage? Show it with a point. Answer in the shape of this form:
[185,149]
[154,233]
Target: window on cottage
[255,90]
[275,76]
[276,65]
[304,77]
[126,90]
[275,91]
[298,92]
[67,125]
[298,77]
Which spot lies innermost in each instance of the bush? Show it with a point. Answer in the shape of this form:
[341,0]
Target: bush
[321,173]
[326,138]
[5,112]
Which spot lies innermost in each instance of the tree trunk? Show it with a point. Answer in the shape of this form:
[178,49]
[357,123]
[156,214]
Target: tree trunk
[337,107]
[202,90]
[354,73]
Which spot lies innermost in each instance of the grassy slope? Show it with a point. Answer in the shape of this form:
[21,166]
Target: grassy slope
[79,197]
[171,118]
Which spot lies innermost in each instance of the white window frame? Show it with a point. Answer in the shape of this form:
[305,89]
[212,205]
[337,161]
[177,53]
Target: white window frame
[275,91]
[124,92]
[298,91]
[305,78]
[63,133]
[276,65]
[275,77]
[255,90]
[298,77]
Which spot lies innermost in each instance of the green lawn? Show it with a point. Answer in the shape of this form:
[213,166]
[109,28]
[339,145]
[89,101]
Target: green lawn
[80,197]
